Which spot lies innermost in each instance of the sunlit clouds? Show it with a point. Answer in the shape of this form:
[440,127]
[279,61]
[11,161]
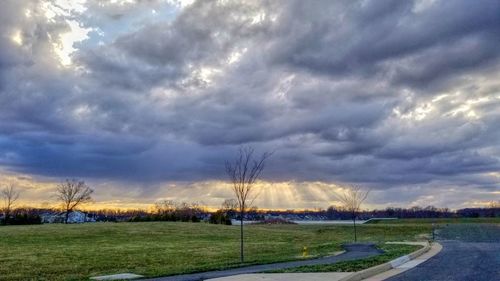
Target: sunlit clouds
[65,46]
[67,12]
[210,194]
[267,195]
[17,37]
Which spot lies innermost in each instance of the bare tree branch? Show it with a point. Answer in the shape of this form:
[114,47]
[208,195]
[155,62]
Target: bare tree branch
[73,193]
[9,195]
[229,205]
[243,173]
[351,197]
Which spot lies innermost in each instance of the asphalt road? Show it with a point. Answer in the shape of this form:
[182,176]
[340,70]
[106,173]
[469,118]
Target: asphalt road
[471,252]
[353,251]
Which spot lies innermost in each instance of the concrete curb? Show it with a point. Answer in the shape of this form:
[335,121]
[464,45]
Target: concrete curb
[372,271]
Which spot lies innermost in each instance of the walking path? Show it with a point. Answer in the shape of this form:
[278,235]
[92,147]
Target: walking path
[352,252]
[434,250]
[399,266]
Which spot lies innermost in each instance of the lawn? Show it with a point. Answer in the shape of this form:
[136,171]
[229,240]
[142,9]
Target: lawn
[76,252]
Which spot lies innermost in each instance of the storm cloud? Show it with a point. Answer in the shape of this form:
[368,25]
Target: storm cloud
[393,95]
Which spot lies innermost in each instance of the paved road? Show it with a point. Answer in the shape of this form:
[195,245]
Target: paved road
[353,251]
[471,252]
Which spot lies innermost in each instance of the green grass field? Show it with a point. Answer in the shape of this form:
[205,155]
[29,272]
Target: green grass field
[76,252]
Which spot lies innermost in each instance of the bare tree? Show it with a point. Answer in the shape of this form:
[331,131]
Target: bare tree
[229,205]
[493,204]
[243,173]
[73,193]
[351,197]
[9,195]
[166,206]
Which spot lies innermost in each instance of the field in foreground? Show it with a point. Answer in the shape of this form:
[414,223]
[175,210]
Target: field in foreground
[76,252]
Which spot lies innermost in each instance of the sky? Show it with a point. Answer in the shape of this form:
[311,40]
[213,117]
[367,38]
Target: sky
[146,100]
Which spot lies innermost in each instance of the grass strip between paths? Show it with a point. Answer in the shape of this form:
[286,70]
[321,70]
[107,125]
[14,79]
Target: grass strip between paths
[392,251]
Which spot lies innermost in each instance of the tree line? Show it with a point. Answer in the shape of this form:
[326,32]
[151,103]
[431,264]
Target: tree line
[70,194]
[170,210]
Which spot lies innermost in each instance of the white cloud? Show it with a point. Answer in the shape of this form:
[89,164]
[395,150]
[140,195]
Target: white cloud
[65,46]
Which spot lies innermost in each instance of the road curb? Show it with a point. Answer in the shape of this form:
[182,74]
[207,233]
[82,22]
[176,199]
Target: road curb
[372,271]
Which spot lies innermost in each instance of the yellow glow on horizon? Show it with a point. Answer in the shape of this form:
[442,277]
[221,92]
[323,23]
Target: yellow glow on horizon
[285,195]
[481,204]
[40,193]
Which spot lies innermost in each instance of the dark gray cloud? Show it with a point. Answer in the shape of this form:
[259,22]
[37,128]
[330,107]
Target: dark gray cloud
[384,93]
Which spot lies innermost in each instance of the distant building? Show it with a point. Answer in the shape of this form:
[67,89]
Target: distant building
[50,217]
[74,217]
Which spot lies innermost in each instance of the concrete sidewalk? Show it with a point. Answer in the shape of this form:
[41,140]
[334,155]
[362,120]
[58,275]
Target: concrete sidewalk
[317,276]
[434,250]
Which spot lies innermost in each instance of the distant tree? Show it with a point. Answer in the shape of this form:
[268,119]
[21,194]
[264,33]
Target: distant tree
[229,205]
[169,210]
[166,206]
[494,205]
[351,197]
[335,213]
[219,217]
[73,193]
[189,212]
[243,172]
[9,195]
[26,215]
[224,214]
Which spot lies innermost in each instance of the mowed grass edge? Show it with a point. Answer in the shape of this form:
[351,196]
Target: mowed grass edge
[76,252]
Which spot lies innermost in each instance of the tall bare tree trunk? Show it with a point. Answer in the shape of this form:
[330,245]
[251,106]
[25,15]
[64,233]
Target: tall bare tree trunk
[7,215]
[9,195]
[355,235]
[66,217]
[243,173]
[351,197]
[242,256]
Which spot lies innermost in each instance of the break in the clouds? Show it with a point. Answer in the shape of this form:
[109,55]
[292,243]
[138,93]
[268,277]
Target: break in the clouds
[399,96]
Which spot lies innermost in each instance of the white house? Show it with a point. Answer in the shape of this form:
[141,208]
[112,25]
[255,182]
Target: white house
[74,217]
